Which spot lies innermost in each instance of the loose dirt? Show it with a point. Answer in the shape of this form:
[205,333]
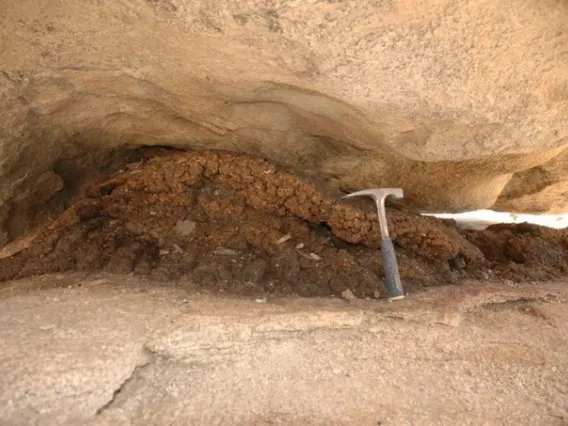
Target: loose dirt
[238,224]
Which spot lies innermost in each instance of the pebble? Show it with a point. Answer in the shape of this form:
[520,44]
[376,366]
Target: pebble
[177,249]
[315,256]
[185,227]
[348,294]
[284,239]
[225,251]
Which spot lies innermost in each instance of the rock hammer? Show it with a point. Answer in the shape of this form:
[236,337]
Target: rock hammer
[390,265]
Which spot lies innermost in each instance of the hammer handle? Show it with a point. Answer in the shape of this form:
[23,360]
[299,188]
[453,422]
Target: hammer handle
[390,266]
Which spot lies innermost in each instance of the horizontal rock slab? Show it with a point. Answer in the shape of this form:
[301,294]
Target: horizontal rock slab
[107,350]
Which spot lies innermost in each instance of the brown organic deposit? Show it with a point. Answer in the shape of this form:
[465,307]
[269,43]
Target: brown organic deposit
[238,224]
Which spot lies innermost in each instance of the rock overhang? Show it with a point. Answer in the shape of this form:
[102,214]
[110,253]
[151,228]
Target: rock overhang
[461,107]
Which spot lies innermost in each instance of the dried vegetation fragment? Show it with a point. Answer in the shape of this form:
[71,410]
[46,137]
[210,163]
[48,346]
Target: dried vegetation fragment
[236,223]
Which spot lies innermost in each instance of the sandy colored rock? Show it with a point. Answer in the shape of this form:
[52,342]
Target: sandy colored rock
[185,227]
[464,104]
[108,350]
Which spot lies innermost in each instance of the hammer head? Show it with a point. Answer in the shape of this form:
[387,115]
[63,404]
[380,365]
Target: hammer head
[378,194]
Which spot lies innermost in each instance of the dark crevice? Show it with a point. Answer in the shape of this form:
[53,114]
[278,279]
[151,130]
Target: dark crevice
[127,383]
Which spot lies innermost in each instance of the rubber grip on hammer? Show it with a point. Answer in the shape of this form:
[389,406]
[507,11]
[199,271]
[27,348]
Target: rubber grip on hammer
[390,266]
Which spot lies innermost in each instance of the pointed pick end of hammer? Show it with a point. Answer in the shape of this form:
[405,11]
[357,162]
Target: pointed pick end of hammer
[364,192]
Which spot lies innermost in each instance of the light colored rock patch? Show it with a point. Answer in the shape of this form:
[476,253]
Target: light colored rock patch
[121,351]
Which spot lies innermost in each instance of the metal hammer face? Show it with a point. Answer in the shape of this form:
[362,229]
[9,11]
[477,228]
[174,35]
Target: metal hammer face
[390,265]
[379,195]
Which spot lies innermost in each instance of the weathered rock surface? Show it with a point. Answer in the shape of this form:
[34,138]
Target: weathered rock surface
[464,103]
[110,350]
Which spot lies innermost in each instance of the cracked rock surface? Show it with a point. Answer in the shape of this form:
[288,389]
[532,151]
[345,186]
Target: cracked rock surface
[107,350]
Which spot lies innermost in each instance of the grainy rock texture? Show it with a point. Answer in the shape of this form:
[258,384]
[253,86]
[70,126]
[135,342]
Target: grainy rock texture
[281,105]
[463,103]
[111,350]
